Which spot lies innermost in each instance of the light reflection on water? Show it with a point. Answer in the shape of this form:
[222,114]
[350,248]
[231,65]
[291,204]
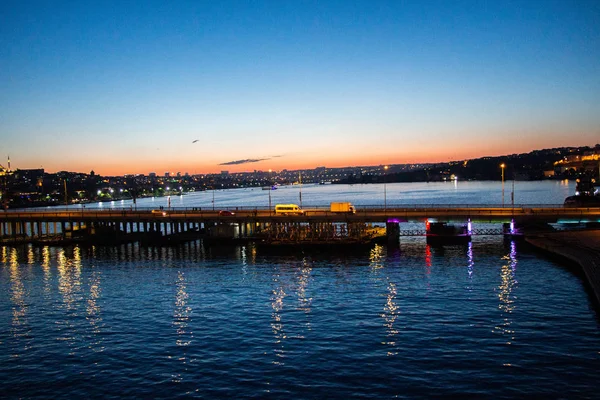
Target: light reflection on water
[18,297]
[390,307]
[278,295]
[304,279]
[234,320]
[45,264]
[505,294]
[94,312]
[181,320]
[391,312]
[470,261]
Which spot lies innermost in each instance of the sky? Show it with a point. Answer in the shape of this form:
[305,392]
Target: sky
[132,87]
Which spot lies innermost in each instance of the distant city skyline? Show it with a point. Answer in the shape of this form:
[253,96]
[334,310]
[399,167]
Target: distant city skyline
[201,87]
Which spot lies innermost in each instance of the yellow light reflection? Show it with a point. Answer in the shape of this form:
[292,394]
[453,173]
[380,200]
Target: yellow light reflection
[506,298]
[69,286]
[376,257]
[69,276]
[17,296]
[30,256]
[46,268]
[303,281]
[390,314]
[390,308]
[253,254]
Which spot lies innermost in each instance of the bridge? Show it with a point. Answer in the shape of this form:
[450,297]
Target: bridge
[314,224]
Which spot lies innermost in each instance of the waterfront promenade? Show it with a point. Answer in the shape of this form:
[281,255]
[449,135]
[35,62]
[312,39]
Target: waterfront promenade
[581,247]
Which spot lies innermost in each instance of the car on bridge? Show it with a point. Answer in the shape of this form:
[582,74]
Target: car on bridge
[226,213]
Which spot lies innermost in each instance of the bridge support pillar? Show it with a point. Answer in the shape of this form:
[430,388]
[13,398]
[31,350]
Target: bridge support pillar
[392,231]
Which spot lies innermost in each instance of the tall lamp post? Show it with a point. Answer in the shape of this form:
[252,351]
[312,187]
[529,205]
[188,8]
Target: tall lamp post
[385,168]
[66,197]
[300,182]
[502,167]
[270,188]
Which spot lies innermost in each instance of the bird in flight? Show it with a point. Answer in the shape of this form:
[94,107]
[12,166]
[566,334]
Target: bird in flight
[195,141]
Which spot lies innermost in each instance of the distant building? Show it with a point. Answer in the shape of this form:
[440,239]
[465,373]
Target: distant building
[152,174]
[29,175]
[167,174]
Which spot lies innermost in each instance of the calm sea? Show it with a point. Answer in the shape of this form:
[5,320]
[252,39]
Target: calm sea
[433,193]
[488,319]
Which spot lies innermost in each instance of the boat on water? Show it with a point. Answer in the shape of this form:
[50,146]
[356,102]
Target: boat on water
[586,195]
[274,187]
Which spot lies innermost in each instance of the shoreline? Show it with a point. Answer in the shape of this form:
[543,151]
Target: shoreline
[580,247]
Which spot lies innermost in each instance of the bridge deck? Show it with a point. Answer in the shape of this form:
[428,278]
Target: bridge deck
[400,214]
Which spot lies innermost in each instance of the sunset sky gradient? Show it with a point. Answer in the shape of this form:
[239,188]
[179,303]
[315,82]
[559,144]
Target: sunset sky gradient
[125,87]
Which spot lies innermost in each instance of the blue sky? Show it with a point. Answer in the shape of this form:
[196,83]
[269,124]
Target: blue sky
[125,87]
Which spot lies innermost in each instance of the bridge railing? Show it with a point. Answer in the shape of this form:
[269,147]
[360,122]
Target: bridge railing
[413,211]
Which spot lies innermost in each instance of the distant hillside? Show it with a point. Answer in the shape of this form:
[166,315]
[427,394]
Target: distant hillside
[526,166]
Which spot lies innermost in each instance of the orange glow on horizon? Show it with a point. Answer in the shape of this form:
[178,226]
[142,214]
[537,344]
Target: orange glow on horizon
[191,165]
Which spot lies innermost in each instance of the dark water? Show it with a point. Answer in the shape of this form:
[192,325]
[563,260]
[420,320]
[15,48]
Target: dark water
[485,320]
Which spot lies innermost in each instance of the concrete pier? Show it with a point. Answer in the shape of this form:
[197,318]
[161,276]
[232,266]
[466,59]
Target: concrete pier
[582,247]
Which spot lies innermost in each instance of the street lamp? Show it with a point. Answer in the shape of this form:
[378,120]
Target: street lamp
[385,168]
[502,167]
[66,197]
[270,188]
[300,183]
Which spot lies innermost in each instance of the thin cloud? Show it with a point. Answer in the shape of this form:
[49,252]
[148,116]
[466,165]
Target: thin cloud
[246,161]
[250,160]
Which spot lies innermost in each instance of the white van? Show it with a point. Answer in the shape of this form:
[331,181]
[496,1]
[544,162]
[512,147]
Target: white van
[288,209]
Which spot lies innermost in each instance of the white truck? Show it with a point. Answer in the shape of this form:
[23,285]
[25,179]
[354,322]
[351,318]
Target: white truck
[342,207]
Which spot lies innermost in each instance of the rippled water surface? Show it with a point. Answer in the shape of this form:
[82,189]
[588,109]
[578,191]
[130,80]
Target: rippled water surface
[484,320]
